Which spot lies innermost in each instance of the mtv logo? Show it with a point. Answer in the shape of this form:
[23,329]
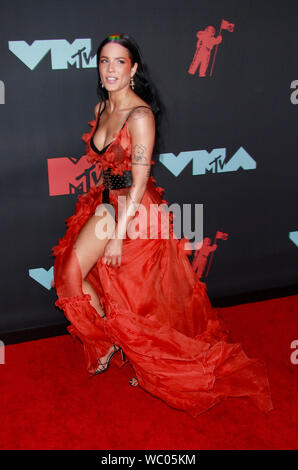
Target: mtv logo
[42,276]
[210,162]
[293,236]
[71,176]
[63,53]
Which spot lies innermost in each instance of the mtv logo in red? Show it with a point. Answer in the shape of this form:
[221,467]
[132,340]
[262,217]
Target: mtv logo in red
[69,175]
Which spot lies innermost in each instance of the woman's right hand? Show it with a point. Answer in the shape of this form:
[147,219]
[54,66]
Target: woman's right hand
[113,252]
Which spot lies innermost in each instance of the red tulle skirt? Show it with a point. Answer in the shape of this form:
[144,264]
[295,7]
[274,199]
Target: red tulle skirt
[159,313]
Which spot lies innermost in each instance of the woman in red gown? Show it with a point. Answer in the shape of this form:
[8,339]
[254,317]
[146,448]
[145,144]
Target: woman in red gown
[122,277]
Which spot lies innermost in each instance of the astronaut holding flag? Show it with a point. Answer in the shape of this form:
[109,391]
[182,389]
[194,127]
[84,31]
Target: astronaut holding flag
[206,42]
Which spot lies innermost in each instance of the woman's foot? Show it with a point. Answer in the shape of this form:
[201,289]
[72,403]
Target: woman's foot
[104,361]
[134,382]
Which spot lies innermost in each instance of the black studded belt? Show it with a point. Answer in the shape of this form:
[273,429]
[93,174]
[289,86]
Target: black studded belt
[115,182]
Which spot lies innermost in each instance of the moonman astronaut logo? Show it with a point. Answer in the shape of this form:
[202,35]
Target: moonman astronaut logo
[204,254]
[205,43]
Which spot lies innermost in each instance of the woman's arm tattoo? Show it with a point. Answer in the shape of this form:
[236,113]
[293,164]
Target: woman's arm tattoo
[139,157]
[138,153]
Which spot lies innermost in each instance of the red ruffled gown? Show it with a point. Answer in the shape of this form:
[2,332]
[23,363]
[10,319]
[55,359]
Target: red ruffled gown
[156,309]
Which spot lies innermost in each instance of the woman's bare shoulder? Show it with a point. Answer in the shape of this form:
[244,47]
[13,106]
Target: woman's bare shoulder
[141,115]
[141,121]
[139,110]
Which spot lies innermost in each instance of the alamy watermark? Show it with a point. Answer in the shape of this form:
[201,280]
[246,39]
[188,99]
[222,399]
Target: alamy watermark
[2,352]
[294,94]
[294,355]
[154,222]
[2,92]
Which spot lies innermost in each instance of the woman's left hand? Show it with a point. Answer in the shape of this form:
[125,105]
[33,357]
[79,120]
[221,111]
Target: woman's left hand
[113,252]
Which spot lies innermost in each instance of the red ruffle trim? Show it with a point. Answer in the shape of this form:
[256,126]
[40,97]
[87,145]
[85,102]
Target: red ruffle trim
[62,302]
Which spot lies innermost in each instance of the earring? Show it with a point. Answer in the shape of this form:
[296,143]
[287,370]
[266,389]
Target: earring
[101,83]
[132,83]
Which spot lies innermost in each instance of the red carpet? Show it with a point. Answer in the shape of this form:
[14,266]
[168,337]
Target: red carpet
[49,402]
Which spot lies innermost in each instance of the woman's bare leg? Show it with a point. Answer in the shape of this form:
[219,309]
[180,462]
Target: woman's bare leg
[71,268]
[88,289]
[89,247]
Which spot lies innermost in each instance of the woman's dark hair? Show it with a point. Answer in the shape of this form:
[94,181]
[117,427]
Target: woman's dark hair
[143,87]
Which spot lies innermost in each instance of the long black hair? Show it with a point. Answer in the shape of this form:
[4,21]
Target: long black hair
[144,87]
